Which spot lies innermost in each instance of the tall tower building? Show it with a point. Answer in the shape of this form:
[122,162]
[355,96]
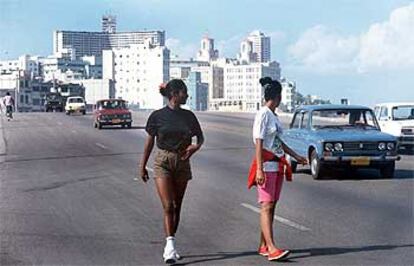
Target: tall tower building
[261,46]
[109,24]
[207,52]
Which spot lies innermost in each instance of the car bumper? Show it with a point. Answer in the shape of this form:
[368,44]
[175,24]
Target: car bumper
[360,161]
[115,122]
[77,109]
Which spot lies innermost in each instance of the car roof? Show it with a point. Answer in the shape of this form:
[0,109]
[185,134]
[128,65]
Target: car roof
[75,97]
[105,100]
[329,107]
[394,104]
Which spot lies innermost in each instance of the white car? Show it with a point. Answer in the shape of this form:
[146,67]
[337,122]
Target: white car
[75,104]
[397,119]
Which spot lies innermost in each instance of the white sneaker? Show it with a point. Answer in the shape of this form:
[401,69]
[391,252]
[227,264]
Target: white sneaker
[170,256]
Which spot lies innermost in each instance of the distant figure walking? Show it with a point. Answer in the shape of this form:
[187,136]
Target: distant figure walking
[9,103]
[173,128]
[270,166]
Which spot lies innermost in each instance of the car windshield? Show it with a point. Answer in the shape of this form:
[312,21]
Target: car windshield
[54,97]
[344,118]
[76,100]
[111,105]
[405,112]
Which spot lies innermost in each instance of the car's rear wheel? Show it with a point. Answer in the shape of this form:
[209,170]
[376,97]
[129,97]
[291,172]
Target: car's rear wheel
[317,167]
[388,170]
[99,125]
[83,112]
[129,125]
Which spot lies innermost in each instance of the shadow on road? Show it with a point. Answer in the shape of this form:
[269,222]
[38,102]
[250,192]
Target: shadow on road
[200,258]
[406,152]
[121,128]
[330,251]
[361,174]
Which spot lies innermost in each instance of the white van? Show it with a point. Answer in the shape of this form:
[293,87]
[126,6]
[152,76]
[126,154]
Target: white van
[75,104]
[397,119]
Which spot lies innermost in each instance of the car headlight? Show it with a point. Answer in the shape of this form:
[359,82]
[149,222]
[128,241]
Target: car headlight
[338,147]
[382,146]
[329,147]
[390,146]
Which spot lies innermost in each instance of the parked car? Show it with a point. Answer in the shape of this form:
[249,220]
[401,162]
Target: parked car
[112,112]
[345,136]
[397,119]
[75,104]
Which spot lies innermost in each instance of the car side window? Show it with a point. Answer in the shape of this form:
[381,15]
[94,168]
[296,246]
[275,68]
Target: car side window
[296,120]
[384,113]
[305,120]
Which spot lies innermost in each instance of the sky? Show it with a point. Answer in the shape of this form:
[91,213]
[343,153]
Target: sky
[362,50]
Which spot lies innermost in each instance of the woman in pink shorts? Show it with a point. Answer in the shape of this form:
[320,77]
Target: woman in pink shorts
[269,174]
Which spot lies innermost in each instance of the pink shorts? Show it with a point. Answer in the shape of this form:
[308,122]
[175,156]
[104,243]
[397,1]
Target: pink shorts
[270,190]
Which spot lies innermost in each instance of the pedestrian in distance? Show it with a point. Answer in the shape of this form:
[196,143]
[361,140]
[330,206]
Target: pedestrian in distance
[8,101]
[173,129]
[269,166]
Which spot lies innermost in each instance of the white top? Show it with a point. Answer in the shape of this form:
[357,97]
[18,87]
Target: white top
[8,100]
[268,128]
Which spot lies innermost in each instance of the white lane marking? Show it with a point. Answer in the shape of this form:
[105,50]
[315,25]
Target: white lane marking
[101,146]
[74,131]
[149,169]
[278,218]
[60,123]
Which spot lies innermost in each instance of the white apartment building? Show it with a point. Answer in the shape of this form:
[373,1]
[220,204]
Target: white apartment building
[242,90]
[28,63]
[137,72]
[260,46]
[83,43]
[63,68]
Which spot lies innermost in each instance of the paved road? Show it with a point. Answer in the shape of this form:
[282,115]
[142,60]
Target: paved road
[68,197]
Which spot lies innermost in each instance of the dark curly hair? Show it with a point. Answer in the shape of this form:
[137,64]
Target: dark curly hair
[272,88]
[172,87]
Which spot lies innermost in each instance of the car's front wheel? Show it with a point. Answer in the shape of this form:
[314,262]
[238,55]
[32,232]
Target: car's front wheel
[387,171]
[317,168]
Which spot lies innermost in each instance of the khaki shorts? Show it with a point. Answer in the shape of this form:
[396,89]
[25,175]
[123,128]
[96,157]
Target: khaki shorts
[169,164]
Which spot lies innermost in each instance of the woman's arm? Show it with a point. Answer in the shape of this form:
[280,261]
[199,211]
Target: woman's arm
[260,178]
[298,158]
[191,149]
[148,146]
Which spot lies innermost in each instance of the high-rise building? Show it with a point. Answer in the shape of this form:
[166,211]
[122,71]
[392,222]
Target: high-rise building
[137,72]
[80,43]
[109,24]
[260,45]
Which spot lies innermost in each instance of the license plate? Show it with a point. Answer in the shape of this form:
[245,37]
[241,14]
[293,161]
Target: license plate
[360,161]
[116,121]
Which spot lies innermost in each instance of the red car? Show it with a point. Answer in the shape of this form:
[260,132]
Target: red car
[112,112]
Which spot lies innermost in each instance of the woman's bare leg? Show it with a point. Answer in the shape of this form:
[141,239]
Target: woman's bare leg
[165,187]
[266,224]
